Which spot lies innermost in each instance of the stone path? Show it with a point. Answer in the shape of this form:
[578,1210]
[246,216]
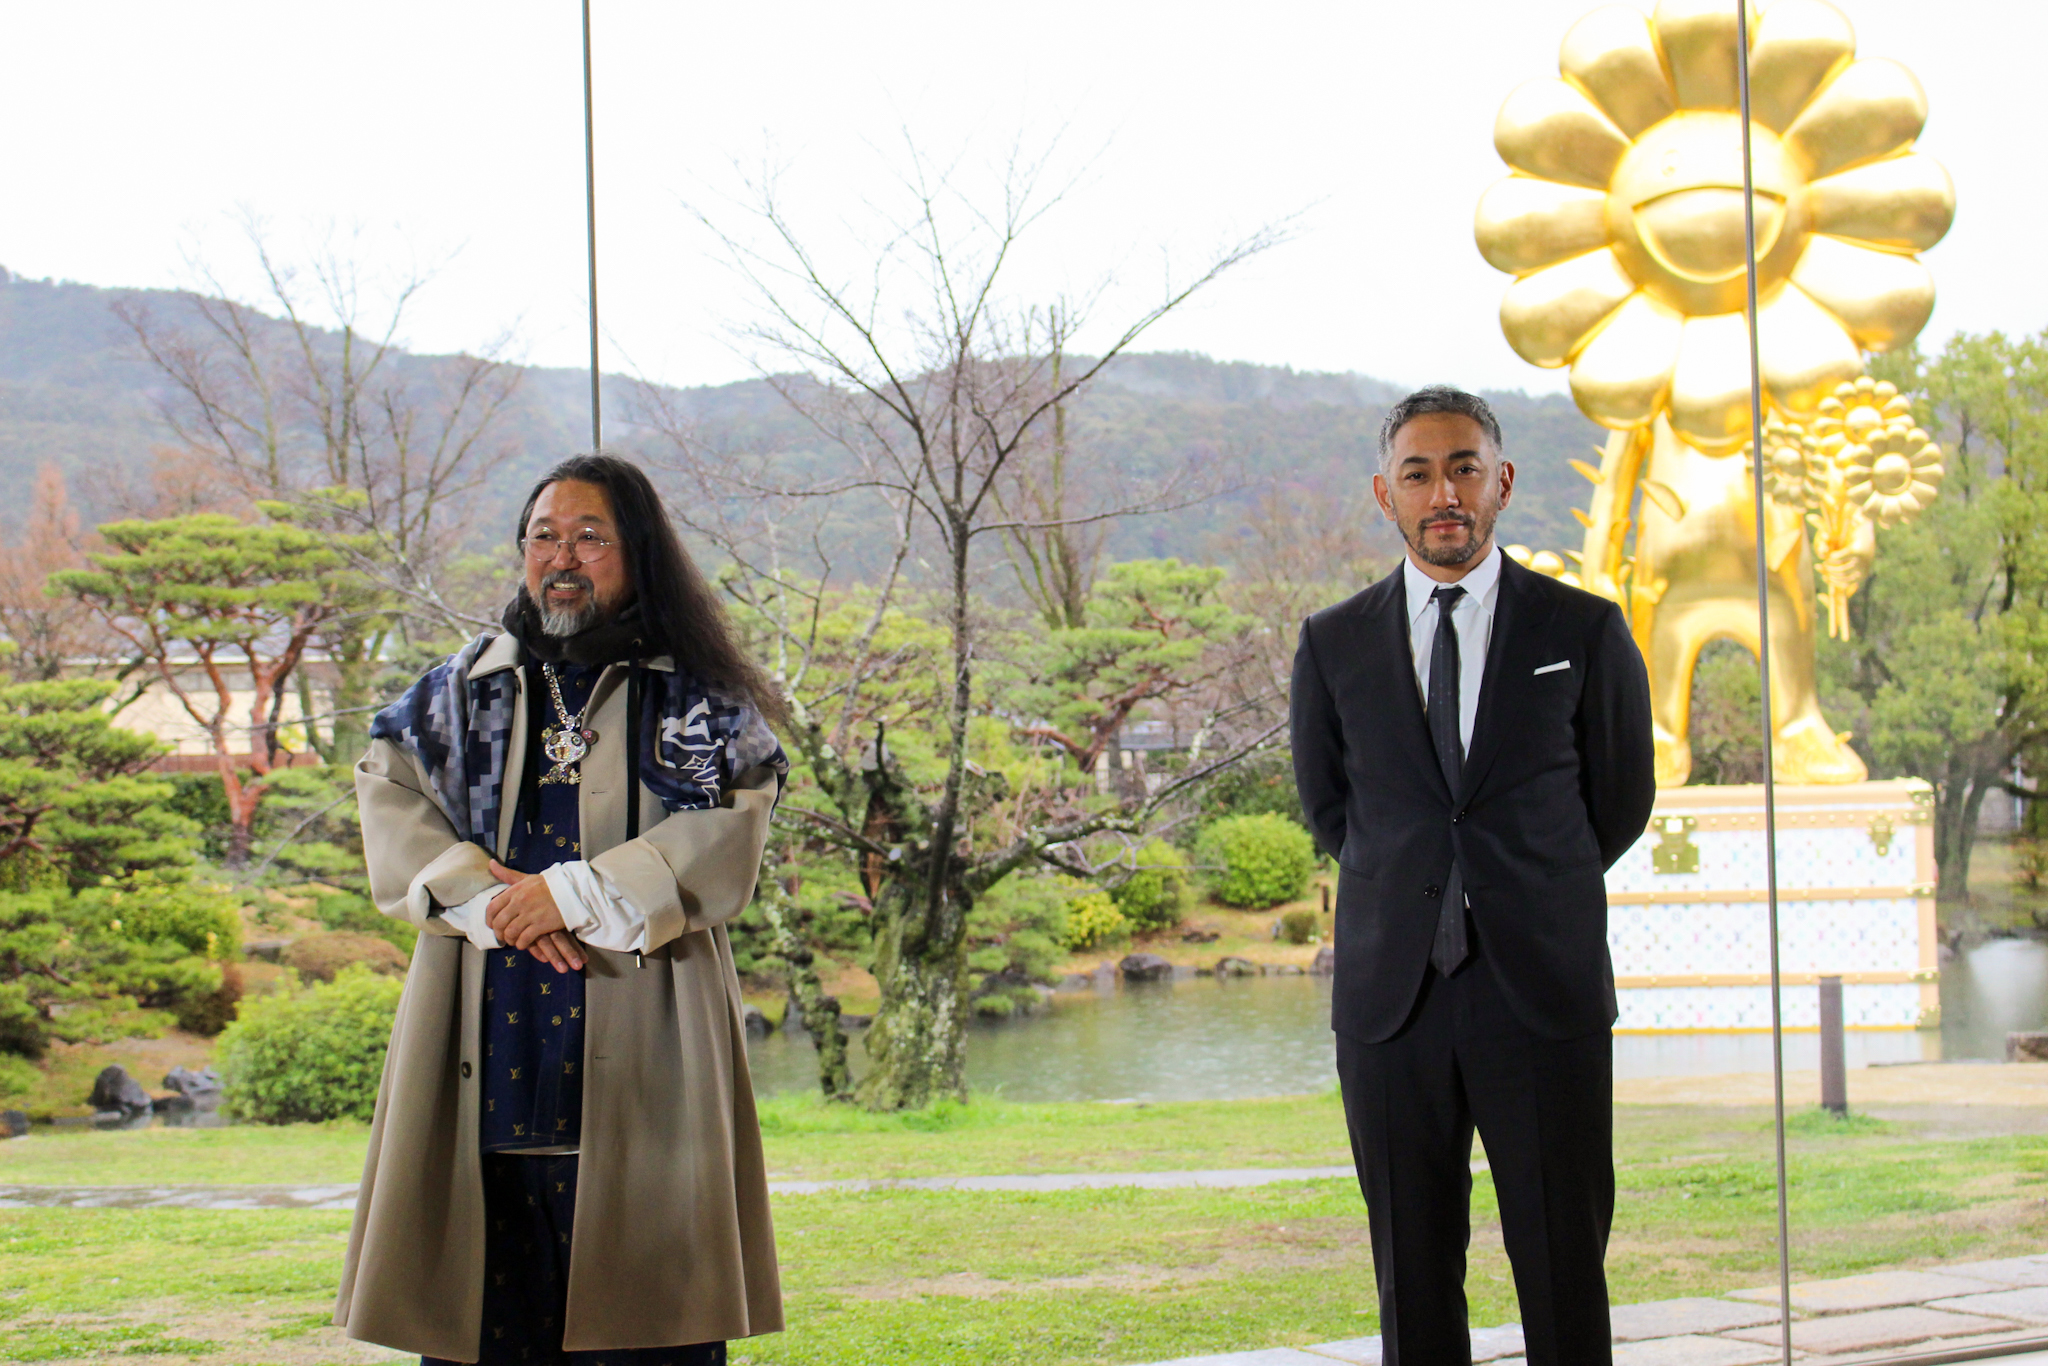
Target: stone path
[1856,1318]
[344,1197]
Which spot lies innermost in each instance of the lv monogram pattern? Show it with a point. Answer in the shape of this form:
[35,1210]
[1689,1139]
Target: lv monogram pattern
[533,1015]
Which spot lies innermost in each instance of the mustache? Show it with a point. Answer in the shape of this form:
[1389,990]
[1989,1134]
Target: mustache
[566,578]
[1450,519]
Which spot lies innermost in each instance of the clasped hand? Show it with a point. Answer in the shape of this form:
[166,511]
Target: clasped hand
[524,916]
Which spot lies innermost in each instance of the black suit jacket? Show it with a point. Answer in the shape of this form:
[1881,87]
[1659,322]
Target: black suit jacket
[1557,784]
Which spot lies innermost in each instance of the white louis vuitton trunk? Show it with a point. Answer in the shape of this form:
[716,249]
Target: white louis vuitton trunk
[1688,926]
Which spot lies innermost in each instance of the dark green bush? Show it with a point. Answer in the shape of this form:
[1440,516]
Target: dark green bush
[84,963]
[1300,926]
[1256,861]
[310,1055]
[1014,940]
[1157,895]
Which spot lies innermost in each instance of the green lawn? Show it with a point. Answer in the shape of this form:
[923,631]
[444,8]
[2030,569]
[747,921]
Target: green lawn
[974,1277]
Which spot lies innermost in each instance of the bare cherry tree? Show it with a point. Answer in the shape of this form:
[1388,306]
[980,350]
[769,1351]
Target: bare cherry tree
[306,395]
[928,387]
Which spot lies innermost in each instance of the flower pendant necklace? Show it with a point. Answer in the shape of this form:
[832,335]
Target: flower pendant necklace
[567,743]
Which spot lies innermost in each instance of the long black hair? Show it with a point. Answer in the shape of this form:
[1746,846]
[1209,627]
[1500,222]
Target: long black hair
[683,617]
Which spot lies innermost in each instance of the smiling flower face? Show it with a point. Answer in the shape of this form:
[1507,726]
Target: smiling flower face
[1623,220]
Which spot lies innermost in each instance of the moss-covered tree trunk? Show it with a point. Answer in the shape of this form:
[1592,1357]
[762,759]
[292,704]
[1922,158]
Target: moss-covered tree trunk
[917,1048]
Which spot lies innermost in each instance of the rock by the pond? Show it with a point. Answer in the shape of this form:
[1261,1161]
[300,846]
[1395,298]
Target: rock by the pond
[1286,970]
[2030,1045]
[756,1022]
[13,1123]
[114,1091]
[1075,981]
[202,1088]
[1200,936]
[1233,966]
[1145,967]
[1325,964]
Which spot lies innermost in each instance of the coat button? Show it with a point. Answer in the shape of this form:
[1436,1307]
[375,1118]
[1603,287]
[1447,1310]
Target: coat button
[1431,890]
[465,1071]
[1455,819]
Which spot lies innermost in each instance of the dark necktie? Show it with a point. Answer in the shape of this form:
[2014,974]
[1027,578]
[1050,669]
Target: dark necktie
[1449,949]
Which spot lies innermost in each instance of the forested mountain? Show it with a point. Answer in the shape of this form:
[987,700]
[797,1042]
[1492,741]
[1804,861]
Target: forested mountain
[75,389]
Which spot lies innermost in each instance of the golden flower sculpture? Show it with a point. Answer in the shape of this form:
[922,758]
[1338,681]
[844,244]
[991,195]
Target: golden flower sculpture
[1623,219]
[1891,470]
[1896,475]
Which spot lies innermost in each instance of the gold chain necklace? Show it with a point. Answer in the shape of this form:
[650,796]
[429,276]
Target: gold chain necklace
[568,743]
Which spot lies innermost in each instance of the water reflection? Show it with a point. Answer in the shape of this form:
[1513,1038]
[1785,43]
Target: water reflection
[1218,1039]
[1990,991]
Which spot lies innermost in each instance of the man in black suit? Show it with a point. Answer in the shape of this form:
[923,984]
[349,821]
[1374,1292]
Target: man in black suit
[1472,746]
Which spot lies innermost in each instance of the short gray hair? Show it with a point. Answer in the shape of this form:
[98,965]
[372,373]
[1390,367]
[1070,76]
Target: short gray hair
[1435,398]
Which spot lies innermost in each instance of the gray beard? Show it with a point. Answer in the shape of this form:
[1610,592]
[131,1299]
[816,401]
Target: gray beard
[562,623]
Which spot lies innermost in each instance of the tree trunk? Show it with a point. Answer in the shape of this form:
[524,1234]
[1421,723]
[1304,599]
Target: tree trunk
[355,665]
[917,1048]
[1958,801]
[818,1012]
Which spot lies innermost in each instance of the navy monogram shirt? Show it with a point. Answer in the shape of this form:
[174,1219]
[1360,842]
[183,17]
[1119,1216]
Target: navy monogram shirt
[533,1021]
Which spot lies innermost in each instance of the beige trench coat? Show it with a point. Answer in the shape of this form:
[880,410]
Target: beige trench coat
[672,1241]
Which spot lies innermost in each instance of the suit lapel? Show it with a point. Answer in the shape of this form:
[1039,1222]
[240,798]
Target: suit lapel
[1519,619]
[1390,650]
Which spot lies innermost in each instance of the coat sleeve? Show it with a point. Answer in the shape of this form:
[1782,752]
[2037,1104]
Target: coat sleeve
[417,863]
[1617,759]
[1318,744]
[696,869]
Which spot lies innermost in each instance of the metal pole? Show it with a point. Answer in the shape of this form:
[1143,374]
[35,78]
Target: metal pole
[590,219]
[1834,1084]
[1763,622]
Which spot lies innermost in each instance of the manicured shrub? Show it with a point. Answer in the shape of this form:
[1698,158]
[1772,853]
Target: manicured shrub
[310,1055]
[1256,861]
[1092,919]
[1157,895]
[318,957]
[1299,927]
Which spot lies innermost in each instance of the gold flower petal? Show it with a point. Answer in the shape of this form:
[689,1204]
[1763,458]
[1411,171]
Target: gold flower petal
[1806,353]
[1903,203]
[1800,45]
[1620,376]
[1873,109]
[1710,386]
[1548,315]
[1883,299]
[1526,224]
[1698,38]
[1548,129]
[1612,56]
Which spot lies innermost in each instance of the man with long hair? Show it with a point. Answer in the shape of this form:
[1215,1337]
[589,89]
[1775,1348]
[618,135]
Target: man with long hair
[565,1163]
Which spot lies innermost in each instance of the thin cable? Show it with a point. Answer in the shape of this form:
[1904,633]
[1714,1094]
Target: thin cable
[1763,654]
[590,214]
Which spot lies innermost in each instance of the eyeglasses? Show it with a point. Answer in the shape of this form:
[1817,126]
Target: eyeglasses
[543,546]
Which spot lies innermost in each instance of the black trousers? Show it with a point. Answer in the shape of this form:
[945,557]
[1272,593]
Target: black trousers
[529,1207]
[1545,1110]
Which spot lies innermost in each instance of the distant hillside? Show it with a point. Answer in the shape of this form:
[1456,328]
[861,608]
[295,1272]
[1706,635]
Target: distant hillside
[73,389]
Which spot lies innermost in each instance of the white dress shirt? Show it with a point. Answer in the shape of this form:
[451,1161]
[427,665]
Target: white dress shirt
[1472,619]
[593,909]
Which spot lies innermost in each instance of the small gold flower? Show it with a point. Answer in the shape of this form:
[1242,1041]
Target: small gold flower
[1895,474]
[1790,463]
[1623,220]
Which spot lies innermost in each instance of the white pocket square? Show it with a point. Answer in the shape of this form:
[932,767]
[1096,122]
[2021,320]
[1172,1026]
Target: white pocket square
[1553,668]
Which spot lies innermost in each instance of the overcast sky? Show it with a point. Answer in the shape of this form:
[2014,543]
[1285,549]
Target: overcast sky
[451,135]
